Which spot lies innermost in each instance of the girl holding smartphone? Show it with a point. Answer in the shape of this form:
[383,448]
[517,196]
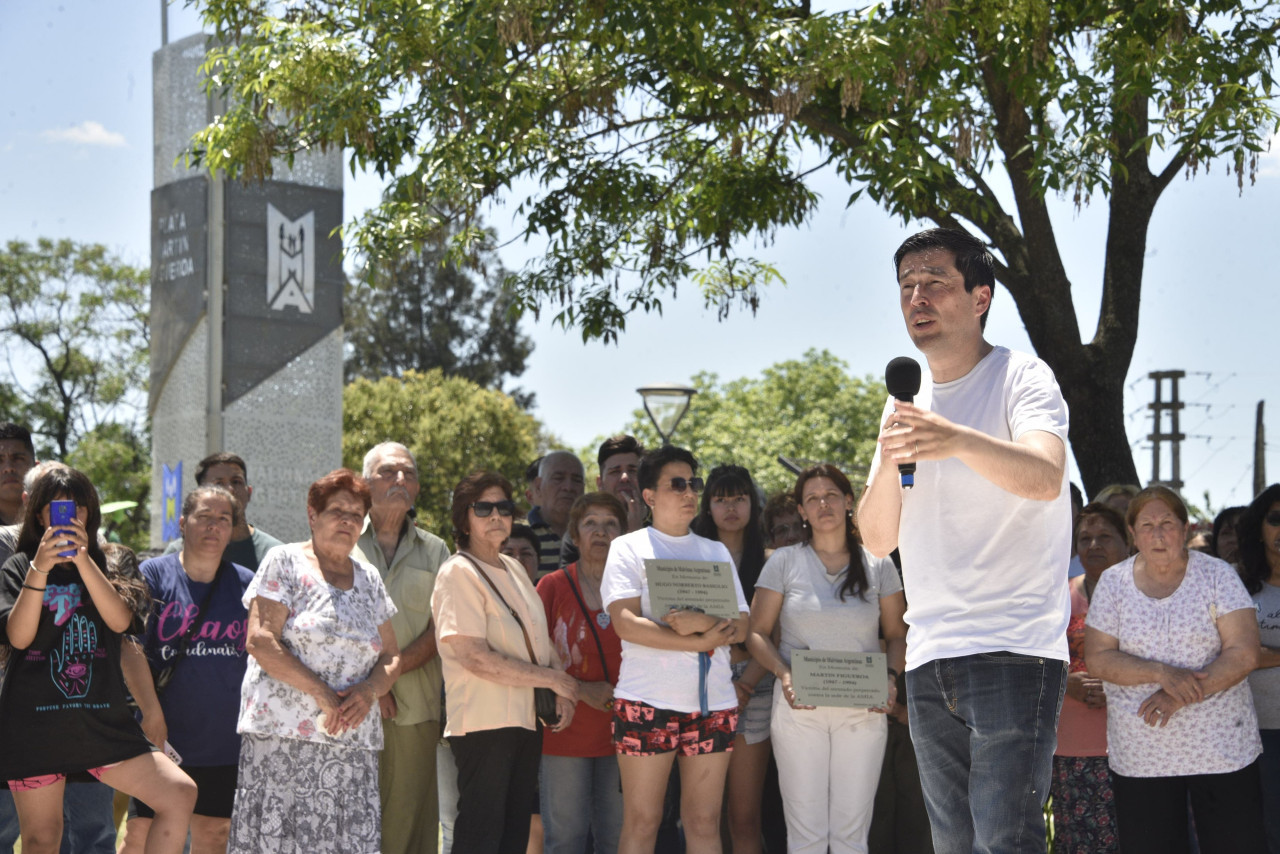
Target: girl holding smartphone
[63,709]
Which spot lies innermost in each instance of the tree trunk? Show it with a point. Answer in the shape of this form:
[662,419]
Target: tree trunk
[1098,437]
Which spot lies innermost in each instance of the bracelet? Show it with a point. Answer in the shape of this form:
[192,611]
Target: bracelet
[39,570]
[29,587]
[895,674]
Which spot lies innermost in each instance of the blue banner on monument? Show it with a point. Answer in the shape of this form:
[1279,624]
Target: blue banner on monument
[171,501]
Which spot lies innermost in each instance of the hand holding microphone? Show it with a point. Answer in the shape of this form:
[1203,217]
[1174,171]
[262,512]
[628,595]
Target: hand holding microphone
[902,378]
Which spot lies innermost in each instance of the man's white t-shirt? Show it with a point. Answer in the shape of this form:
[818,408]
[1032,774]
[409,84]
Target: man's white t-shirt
[986,570]
[663,678]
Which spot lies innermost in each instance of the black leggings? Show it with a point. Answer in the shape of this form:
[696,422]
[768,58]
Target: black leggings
[497,777]
[1152,812]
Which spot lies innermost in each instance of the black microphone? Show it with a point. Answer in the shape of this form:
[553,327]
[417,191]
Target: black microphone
[902,378]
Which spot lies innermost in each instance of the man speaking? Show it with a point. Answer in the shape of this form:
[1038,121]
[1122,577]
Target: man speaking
[984,536]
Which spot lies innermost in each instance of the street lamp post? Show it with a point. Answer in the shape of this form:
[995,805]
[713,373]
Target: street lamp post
[666,404]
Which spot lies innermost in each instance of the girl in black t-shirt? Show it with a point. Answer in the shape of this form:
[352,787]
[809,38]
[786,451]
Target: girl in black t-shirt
[63,708]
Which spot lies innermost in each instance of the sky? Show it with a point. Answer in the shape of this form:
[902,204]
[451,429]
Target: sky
[75,162]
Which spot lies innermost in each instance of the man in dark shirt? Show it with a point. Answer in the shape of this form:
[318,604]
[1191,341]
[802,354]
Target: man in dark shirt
[248,544]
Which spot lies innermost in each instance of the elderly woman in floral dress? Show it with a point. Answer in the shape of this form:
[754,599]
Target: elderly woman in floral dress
[322,652]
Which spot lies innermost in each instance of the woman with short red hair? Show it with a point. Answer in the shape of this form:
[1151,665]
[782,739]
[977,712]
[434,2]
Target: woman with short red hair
[322,651]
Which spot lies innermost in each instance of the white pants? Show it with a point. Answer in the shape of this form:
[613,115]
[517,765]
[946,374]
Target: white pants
[828,768]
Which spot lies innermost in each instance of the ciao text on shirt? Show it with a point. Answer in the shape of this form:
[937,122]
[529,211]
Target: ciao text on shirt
[176,619]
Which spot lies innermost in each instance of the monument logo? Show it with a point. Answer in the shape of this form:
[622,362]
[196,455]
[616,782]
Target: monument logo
[291,261]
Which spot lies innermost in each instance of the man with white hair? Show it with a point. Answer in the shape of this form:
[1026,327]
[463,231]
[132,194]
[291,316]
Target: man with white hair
[408,559]
[560,482]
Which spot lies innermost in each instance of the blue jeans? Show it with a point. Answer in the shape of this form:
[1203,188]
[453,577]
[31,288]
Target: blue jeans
[86,820]
[8,822]
[87,826]
[580,796]
[984,728]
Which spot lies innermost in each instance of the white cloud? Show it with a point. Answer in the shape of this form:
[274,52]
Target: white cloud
[87,133]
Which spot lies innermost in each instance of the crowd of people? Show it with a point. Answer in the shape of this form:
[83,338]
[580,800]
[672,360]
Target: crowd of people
[374,690]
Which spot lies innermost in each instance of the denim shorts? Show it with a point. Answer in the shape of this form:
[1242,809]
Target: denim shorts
[753,722]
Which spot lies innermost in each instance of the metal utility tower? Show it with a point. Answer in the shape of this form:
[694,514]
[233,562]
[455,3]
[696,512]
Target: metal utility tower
[1174,437]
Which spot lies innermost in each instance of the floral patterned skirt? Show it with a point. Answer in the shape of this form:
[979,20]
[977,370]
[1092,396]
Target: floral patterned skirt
[302,797]
[1084,806]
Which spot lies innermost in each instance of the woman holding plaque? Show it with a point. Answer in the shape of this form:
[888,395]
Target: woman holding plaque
[827,593]
[675,696]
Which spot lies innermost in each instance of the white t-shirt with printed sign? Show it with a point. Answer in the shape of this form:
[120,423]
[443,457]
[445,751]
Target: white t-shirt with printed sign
[665,679]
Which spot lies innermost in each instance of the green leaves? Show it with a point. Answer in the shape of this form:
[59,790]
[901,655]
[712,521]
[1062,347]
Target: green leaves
[448,423]
[432,310]
[648,143]
[808,409]
[654,132]
[74,322]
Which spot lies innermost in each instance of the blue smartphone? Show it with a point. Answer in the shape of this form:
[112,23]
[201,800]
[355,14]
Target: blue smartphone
[62,513]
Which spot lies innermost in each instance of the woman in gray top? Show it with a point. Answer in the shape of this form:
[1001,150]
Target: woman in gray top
[827,593]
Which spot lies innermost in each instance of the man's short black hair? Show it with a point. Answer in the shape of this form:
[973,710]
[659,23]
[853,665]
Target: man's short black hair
[651,464]
[618,445]
[17,433]
[221,458]
[973,260]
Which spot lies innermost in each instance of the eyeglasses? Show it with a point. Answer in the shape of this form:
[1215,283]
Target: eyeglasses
[1273,519]
[484,509]
[680,484]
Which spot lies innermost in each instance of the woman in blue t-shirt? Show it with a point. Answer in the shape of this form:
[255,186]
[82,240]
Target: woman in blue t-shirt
[195,648]
[63,709]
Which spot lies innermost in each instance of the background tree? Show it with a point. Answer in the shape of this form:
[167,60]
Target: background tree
[808,409]
[74,322]
[649,141]
[424,310]
[452,426]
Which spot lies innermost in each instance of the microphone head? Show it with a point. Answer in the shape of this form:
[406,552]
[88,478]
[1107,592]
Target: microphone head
[902,378]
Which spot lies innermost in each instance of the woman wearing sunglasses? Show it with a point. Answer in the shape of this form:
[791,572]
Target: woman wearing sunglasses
[495,651]
[675,696]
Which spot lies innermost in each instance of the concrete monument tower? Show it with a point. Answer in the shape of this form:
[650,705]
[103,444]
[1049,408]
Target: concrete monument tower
[246,314]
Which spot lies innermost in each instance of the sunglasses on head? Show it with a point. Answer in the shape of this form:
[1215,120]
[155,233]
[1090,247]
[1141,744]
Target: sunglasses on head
[1272,518]
[485,508]
[680,484]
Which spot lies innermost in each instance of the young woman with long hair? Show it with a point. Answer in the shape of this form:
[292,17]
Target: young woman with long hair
[730,513]
[64,609]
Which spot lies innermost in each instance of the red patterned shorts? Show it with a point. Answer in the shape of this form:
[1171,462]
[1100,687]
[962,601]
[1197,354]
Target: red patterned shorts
[642,730]
[30,784]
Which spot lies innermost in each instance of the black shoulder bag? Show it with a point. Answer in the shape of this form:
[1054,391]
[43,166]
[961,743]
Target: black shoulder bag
[544,699]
